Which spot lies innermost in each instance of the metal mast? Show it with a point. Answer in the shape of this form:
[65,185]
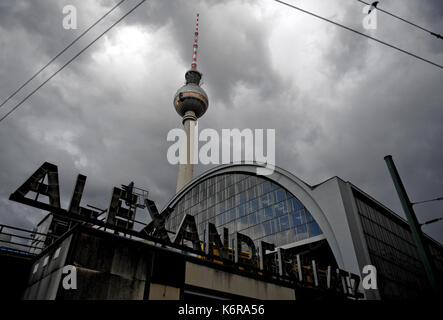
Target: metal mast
[417,234]
[194,57]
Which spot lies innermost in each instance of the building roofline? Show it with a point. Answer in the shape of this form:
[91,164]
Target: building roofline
[223,167]
[286,180]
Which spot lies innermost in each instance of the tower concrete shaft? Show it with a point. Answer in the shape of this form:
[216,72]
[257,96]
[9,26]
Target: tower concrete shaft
[186,170]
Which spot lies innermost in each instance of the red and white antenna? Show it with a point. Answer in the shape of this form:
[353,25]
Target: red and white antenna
[194,57]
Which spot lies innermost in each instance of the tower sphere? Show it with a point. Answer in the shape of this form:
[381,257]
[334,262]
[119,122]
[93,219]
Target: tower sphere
[191,97]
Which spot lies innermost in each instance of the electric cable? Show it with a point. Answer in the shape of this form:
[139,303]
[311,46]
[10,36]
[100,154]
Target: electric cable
[361,33]
[72,59]
[404,20]
[60,53]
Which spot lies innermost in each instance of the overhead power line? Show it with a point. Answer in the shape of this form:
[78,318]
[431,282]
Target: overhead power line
[60,53]
[432,200]
[72,59]
[360,33]
[431,221]
[404,20]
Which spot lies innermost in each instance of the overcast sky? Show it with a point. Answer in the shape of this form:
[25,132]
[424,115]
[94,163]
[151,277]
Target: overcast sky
[338,102]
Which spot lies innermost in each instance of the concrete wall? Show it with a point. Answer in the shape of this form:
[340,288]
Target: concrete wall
[163,292]
[335,198]
[213,279]
[108,267]
[46,272]
[113,267]
[328,197]
[356,230]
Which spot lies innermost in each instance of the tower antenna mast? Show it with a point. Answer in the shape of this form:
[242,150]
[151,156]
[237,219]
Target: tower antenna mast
[194,57]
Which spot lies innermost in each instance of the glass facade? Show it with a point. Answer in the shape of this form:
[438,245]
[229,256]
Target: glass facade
[392,250]
[251,205]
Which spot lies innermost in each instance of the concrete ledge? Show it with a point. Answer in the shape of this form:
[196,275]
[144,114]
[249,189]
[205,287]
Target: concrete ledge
[163,292]
[208,278]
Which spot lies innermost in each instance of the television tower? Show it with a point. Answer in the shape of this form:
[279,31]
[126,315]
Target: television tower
[190,102]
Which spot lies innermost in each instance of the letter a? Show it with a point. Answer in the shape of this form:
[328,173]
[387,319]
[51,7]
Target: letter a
[70,281]
[370,280]
[70,21]
[179,146]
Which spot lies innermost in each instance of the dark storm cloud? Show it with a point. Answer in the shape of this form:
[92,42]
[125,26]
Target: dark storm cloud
[107,116]
[53,128]
[229,36]
[350,50]
[395,108]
